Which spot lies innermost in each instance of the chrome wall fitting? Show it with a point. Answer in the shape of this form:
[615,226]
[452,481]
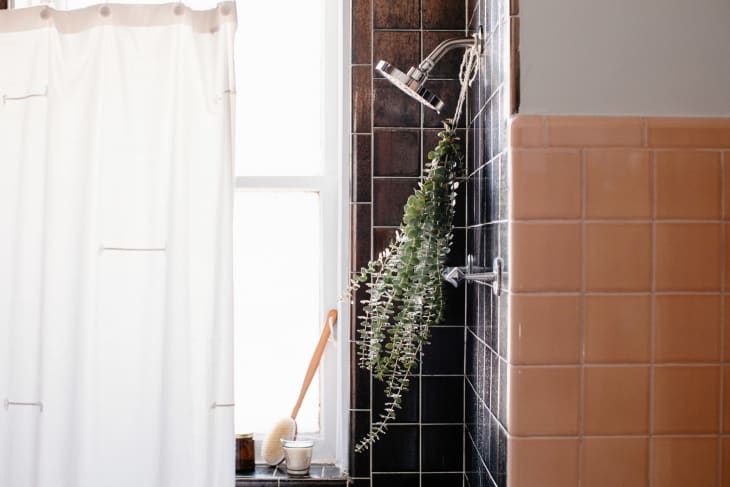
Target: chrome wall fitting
[469,273]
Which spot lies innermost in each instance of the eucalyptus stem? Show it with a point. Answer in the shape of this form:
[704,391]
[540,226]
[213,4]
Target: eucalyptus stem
[404,284]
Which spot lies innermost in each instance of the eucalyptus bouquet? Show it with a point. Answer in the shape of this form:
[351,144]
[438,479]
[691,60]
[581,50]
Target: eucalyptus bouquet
[404,283]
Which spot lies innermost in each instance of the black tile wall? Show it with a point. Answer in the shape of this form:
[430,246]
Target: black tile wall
[487,237]
[444,433]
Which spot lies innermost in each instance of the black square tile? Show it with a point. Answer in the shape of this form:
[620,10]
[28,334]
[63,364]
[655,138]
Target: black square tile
[403,14]
[445,353]
[356,314]
[442,399]
[395,451]
[409,411]
[484,431]
[457,252]
[359,382]
[479,196]
[397,153]
[396,480]
[359,426]
[382,238]
[360,238]
[494,369]
[389,200]
[442,480]
[460,208]
[455,301]
[442,448]
[440,14]
[362,168]
[361,106]
[472,355]
[471,420]
[482,372]
[361,31]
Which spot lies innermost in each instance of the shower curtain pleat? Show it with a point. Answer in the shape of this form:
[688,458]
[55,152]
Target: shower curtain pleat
[115,248]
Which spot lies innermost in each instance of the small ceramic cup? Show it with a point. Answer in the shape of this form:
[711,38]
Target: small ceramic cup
[298,455]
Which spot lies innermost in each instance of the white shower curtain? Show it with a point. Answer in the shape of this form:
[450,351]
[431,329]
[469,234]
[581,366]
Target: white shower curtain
[115,247]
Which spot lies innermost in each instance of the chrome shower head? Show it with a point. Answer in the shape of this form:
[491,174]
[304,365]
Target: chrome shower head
[411,83]
[409,86]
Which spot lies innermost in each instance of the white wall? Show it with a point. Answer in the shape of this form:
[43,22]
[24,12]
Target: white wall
[641,57]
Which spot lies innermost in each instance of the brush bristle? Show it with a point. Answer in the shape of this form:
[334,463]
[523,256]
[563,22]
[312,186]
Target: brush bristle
[272,451]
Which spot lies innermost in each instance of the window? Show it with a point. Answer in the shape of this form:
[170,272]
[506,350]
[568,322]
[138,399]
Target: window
[286,215]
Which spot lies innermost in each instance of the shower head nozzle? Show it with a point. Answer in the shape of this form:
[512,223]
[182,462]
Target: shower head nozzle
[410,85]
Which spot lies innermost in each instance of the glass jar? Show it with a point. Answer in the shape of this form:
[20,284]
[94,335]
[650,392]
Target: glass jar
[245,454]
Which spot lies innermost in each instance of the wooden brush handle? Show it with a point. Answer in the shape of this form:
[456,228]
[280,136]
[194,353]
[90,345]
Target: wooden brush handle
[314,363]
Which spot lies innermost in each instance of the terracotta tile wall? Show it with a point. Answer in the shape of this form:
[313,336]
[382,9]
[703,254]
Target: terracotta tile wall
[619,279]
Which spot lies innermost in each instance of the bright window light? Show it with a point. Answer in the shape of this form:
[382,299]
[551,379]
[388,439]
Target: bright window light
[286,214]
[277,276]
[279,83]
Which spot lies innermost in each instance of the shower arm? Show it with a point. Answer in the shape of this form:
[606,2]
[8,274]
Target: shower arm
[420,73]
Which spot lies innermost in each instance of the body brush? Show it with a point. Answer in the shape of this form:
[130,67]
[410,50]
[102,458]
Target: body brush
[286,428]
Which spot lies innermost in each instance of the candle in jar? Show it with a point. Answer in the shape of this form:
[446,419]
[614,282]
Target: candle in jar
[298,455]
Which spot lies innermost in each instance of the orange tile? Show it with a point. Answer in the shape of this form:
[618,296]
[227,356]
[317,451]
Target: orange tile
[726,400]
[686,399]
[618,184]
[527,131]
[545,256]
[726,183]
[697,133]
[546,184]
[726,325]
[612,462]
[616,400]
[545,329]
[544,400]
[726,239]
[687,257]
[617,328]
[725,462]
[687,328]
[595,131]
[549,462]
[684,462]
[618,257]
[688,184]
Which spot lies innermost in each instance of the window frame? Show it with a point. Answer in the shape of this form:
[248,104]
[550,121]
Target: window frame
[332,184]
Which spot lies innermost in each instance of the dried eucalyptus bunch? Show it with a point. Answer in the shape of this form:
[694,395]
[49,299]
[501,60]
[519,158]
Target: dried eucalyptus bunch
[404,283]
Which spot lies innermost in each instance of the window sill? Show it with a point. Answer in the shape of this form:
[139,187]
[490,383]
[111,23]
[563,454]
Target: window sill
[319,475]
